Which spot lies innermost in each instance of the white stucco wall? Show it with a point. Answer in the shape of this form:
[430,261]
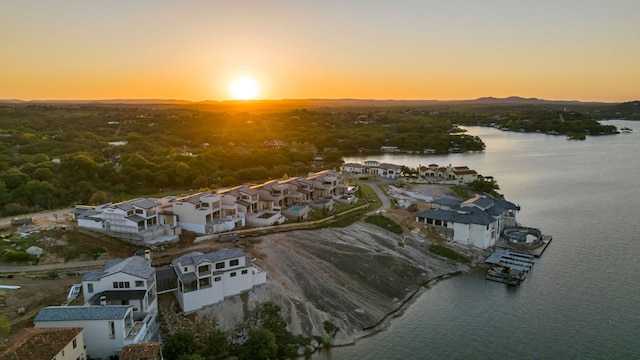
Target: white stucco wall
[96,335]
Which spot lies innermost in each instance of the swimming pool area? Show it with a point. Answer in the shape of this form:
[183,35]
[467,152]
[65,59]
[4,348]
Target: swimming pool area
[296,208]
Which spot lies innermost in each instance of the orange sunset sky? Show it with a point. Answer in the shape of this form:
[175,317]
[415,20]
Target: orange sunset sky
[192,50]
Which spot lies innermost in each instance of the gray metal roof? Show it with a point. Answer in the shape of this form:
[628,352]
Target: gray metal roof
[166,274]
[135,266]
[447,201]
[70,313]
[197,258]
[471,217]
[136,218]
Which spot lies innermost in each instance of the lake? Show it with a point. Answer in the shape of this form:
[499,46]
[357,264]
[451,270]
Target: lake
[582,298]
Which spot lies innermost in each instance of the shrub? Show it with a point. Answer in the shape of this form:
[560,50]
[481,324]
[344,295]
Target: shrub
[385,223]
[448,253]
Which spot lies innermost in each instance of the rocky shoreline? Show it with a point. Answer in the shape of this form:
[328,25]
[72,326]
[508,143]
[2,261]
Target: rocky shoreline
[358,278]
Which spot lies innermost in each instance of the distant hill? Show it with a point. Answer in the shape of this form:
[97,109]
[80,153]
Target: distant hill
[489,100]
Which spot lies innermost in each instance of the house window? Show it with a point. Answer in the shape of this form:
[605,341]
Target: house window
[244,272]
[90,287]
[112,330]
[232,274]
[139,283]
[220,265]
[234,262]
[217,278]
[75,343]
[186,269]
[121,285]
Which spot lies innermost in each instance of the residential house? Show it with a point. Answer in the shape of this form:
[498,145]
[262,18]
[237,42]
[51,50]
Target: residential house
[449,174]
[352,168]
[477,222]
[45,343]
[255,212]
[199,280]
[135,220]
[124,282]
[372,167]
[107,328]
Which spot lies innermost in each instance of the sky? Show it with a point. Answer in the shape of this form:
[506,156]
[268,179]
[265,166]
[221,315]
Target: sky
[331,49]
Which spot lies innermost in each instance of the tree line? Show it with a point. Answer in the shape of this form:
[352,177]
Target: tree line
[53,156]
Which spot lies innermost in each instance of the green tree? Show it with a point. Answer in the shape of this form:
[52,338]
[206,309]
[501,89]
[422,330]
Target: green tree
[98,197]
[215,343]
[178,344]
[13,178]
[260,345]
[485,186]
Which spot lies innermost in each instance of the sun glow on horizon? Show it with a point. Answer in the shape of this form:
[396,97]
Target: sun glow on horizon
[244,88]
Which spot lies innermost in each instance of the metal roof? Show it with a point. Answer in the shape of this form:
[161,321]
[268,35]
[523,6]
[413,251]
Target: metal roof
[71,313]
[135,266]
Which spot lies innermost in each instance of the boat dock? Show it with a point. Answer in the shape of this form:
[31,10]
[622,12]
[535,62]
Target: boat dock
[509,266]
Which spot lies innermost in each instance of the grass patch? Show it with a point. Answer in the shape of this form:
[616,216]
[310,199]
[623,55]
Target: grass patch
[448,253]
[460,191]
[385,223]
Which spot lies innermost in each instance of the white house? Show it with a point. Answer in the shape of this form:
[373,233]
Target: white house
[477,222]
[45,343]
[199,211]
[449,174]
[135,220]
[199,280]
[123,282]
[107,329]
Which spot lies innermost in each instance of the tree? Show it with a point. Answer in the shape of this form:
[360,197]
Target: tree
[178,344]
[98,197]
[485,186]
[261,344]
[215,343]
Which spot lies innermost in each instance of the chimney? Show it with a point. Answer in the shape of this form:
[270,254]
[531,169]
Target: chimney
[103,300]
[147,254]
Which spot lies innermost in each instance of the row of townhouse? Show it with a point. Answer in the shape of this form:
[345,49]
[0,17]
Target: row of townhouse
[477,222]
[120,311]
[142,221]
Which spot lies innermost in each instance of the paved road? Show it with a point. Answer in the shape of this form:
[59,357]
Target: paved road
[384,199]
[47,267]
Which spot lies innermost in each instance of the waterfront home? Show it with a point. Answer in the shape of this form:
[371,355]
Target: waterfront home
[372,167]
[198,280]
[449,174]
[476,222]
[107,328]
[45,343]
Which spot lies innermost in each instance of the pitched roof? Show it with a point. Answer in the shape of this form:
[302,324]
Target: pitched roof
[135,266]
[481,209]
[197,258]
[37,343]
[70,313]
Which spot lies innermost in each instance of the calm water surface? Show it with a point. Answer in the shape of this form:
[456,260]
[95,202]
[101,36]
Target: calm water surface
[582,299]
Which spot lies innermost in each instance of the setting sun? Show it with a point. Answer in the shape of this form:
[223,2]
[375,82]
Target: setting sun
[244,88]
